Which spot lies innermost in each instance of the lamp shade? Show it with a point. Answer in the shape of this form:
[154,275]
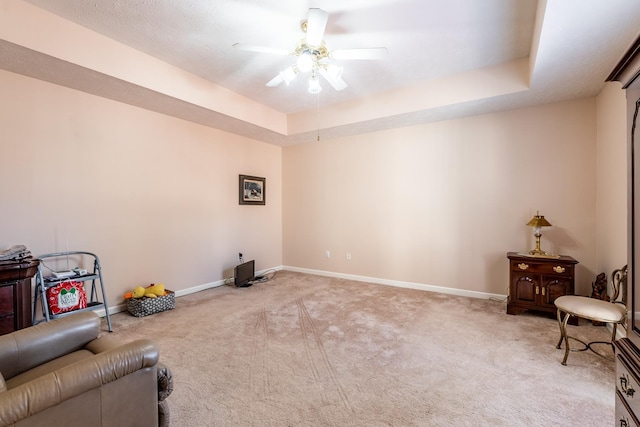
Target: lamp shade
[539,221]
[314,84]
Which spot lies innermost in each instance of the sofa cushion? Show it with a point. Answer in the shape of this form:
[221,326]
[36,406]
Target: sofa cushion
[104,343]
[48,367]
[29,347]
[591,308]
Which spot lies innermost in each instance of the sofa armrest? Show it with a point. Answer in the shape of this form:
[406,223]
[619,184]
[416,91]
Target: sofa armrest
[165,377]
[165,387]
[72,380]
[165,382]
[26,348]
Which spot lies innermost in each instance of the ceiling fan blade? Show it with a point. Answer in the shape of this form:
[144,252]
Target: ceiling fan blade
[275,81]
[286,76]
[366,53]
[316,24]
[335,81]
[261,49]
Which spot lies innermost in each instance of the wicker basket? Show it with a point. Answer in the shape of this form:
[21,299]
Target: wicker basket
[145,306]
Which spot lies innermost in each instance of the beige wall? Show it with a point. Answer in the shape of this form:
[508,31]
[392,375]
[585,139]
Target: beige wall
[611,172]
[438,204]
[155,197]
[441,204]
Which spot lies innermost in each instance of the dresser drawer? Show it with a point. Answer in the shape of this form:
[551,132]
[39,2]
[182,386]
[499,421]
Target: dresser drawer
[559,268]
[624,417]
[627,384]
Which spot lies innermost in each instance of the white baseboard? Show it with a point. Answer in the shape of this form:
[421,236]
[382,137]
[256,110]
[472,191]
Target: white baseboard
[410,285]
[182,292]
[399,284]
[123,307]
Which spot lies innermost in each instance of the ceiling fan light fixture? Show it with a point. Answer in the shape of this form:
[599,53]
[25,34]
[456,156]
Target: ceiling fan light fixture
[314,85]
[288,75]
[305,62]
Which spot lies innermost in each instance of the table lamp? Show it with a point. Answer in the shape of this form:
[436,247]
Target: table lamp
[537,222]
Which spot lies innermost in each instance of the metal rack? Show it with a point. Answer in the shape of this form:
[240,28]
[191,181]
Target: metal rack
[95,301]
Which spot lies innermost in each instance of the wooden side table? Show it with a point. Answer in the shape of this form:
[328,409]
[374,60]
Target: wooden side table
[15,294]
[535,282]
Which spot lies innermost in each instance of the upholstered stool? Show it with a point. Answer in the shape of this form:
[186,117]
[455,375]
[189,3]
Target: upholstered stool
[613,312]
[587,308]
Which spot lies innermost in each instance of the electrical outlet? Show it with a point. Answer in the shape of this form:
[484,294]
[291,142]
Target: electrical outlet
[327,254]
[239,256]
[348,256]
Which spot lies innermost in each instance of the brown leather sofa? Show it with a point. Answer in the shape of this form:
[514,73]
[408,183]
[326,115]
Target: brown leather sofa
[60,373]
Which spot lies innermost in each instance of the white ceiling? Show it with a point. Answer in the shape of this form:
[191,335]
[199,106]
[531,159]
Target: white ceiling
[568,48]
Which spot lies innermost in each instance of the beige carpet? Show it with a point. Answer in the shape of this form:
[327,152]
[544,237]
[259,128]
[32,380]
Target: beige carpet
[303,350]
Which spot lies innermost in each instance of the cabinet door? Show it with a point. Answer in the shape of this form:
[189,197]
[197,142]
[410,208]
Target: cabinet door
[554,287]
[524,289]
[7,318]
[6,299]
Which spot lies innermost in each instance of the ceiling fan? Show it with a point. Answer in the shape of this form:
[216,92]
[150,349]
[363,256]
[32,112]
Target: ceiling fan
[313,56]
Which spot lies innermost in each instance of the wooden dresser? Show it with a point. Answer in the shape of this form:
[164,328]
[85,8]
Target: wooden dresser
[627,391]
[535,282]
[627,383]
[15,295]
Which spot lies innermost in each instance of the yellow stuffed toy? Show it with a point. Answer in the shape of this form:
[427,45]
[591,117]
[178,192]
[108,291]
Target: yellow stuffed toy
[151,291]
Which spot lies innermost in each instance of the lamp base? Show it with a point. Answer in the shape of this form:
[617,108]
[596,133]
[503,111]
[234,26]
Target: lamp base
[537,252]
[549,256]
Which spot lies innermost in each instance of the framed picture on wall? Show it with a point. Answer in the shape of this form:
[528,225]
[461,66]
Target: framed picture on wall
[252,190]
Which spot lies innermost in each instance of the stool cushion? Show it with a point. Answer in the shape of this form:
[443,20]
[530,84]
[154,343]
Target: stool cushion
[591,308]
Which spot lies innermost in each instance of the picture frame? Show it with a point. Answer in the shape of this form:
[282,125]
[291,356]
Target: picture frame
[252,190]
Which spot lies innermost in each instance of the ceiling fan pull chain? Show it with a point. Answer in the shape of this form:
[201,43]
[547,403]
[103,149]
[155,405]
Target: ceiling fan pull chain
[318,118]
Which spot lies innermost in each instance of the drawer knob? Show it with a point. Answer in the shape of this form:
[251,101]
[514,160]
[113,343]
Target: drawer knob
[559,269]
[626,387]
[523,266]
